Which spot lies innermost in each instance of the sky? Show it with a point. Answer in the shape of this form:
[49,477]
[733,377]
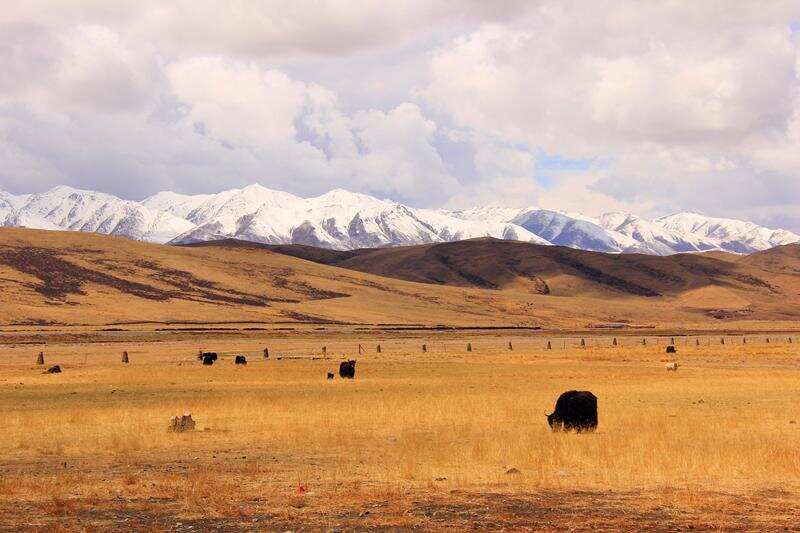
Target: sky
[645,107]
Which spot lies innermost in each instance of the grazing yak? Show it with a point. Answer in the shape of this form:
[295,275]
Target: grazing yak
[209,359]
[240,360]
[347,369]
[671,367]
[203,355]
[574,410]
[330,375]
[55,369]
[672,349]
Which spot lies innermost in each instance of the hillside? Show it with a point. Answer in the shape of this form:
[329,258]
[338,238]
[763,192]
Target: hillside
[78,278]
[722,285]
[560,271]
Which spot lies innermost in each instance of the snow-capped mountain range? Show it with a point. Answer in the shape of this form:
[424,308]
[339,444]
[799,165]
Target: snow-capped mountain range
[345,220]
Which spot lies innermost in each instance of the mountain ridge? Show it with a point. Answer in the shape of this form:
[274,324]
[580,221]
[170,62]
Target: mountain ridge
[344,220]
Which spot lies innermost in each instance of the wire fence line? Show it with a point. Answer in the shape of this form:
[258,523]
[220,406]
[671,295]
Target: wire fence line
[352,349]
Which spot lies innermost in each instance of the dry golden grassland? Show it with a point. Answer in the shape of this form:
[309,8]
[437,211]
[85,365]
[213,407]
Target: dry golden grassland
[416,440]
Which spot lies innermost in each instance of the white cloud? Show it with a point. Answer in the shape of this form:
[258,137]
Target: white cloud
[687,105]
[682,98]
[238,101]
[397,156]
[531,82]
[265,28]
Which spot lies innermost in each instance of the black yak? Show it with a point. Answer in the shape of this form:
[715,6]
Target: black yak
[347,369]
[209,359]
[574,410]
[203,355]
[330,375]
[671,349]
[240,360]
[55,369]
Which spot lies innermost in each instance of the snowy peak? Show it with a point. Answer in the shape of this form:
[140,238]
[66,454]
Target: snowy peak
[342,219]
[66,208]
[239,202]
[656,239]
[178,204]
[565,230]
[491,213]
[342,197]
[732,235]
[8,203]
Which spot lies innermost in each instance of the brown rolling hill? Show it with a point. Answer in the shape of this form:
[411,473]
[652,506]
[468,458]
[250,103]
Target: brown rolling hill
[717,284]
[555,270]
[64,278]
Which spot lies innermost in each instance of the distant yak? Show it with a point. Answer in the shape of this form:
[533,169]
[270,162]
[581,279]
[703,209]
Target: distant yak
[203,355]
[55,369]
[672,349]
[330,375]
[347,369]
[240,360]
[209,359]
[575,410]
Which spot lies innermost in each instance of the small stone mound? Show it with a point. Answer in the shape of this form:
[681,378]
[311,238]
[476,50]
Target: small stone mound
[513,472]
[179,424]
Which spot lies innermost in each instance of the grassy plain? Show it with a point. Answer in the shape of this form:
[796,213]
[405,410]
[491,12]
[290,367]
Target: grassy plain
[416,440]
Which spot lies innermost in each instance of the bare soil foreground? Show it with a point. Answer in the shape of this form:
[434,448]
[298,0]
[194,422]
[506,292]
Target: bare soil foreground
[444,438]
